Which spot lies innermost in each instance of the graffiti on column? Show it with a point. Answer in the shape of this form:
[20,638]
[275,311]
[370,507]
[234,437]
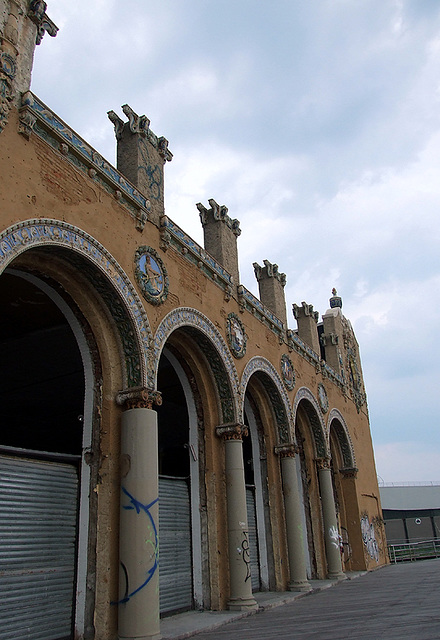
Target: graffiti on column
[335,537]
[369,537]
[246,555]
[151,541]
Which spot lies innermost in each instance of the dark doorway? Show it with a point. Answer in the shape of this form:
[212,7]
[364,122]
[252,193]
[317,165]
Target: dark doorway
[42,394]
[41,372]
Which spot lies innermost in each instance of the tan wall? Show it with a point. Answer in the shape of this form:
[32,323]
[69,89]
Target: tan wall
[38,182]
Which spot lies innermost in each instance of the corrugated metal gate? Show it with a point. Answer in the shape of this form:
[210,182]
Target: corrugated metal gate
[175,557]
[38,528]
[253,538]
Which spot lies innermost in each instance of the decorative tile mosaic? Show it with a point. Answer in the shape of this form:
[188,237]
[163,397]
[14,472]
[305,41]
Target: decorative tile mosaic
[287,371]
[236,334]
[322,397]
[151,275]
[52,129]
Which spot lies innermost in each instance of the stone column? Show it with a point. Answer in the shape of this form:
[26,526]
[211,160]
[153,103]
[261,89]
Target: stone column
[331,532]
[240,595]
[292,506]
[139,518]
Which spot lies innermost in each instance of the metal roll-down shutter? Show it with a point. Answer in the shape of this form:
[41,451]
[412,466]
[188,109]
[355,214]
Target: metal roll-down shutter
[253,538]
[175,557]
[38,519]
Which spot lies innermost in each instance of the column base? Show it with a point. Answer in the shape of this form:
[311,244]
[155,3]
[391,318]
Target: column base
[339,576]
[300,586]
[156,636]
[242,604]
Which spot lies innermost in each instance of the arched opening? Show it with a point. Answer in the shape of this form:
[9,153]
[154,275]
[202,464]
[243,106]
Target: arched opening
[266,413]
[255,476]
[43,398]
[343,475]
[305,428]
[341,515]
[179,556]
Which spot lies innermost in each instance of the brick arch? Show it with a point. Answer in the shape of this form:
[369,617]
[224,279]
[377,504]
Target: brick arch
[337,424]
[271,381]
[105,275]
[212,344]
[307,400]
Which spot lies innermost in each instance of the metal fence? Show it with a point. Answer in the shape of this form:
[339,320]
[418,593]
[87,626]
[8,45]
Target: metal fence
[410,551]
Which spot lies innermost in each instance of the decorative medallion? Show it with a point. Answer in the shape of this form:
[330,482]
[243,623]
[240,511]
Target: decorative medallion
[322,397]
[236,335]
[151,275]
[287,372]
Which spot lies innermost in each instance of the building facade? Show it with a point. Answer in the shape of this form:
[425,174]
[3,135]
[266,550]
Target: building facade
[411,512]
[168,442]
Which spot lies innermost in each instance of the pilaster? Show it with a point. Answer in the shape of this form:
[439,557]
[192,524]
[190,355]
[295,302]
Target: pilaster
[331,339]
[220,236]
[141,157]
[271,284]
[307,321]
[24,27]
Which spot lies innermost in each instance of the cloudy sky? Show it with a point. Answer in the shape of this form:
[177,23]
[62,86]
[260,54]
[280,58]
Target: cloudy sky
[317,123]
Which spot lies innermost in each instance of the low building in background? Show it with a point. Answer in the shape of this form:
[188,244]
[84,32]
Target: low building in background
[411,511]
[168,442]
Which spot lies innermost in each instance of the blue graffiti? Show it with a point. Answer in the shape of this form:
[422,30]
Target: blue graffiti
[139,507]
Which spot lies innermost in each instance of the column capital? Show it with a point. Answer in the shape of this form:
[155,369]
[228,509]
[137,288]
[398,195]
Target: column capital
[288,450]
[349,472]
[139,398]
[322,463]
[234,431]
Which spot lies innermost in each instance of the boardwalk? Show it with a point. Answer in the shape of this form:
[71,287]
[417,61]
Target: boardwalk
[397,602]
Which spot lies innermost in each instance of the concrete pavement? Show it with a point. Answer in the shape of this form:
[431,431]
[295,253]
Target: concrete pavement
[397,602]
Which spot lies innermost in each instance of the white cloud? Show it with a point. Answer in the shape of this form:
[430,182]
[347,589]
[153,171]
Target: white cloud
[318,126]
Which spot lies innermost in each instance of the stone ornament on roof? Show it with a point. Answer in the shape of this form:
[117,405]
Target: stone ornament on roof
[37,13]
[218,212]
[140,125]
[335,300]
[308,310]
[269,270]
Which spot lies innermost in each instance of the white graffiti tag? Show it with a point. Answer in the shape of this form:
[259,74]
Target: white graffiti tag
[334,537]
[369,538]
